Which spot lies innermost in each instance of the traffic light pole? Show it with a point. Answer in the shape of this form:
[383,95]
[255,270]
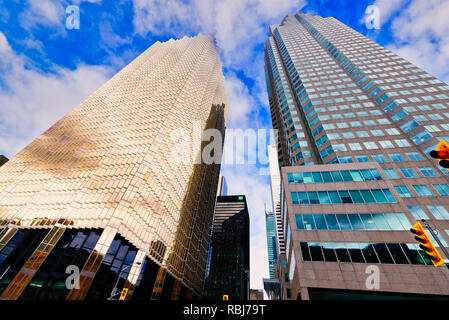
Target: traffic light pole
[437,240]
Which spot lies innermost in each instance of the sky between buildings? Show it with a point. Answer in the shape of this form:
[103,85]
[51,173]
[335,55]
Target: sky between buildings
[47,69]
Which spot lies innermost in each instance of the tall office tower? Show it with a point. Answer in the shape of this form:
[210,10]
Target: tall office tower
[229,256]
[109,189]
[222,189]
[271,244]
[356,123]
[275,233]
[275,184]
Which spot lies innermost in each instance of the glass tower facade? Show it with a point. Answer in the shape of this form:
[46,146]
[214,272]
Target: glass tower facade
[271,244]
[355,126]
[275,232]
[103,190]
[228,272]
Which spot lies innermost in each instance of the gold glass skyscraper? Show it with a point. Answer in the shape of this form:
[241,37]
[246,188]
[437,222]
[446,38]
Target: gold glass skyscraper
[101,189]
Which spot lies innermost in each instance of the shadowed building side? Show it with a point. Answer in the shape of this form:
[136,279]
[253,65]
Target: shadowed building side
[229,256]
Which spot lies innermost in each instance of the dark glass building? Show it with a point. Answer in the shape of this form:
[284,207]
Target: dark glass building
[228,272]
[3,160]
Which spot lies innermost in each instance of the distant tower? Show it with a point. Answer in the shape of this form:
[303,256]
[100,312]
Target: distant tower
[275,184]
[222,186]
[275,232]
[271,243]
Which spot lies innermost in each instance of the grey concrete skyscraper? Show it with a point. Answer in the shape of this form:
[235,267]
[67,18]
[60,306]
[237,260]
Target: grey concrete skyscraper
[355,126]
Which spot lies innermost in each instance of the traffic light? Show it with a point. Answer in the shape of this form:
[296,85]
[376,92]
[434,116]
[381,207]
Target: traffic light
[441,152]
[426,244]
[225,297]
[123,294]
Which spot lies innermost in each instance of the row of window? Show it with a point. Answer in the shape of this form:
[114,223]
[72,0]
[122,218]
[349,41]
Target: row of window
[343,196]
[425,107]
[410,172]
[362,133]
[439,212]
[391,253]
[380,158]
[423,190]
[355,124]
[354,221]
[371,145]
[333,176]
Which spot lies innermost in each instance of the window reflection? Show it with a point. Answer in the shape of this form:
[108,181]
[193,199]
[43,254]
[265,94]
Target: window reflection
[355,252]
[354,221]
[333,176]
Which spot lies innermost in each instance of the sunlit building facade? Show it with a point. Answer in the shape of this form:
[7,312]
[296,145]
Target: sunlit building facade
[355,126]
[109,188]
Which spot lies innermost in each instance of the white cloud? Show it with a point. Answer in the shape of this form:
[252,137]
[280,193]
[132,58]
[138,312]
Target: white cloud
[43,13]
[31,101]
[48,13]
[238,25]
[240,101]
[91,1]
[421,35]
[387,8]
[4,45]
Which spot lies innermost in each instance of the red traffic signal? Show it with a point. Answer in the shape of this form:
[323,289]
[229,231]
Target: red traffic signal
[441,152]
[123,294]
[426,244]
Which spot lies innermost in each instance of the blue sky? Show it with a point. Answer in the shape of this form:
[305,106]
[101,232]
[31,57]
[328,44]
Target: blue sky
[47,69]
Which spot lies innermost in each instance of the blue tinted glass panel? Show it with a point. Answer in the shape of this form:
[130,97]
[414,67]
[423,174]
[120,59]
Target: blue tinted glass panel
[332,222]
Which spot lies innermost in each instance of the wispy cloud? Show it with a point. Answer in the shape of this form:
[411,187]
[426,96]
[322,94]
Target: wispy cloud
[421,35]
[43,13]
[31,101]
[387,8]
[239,25]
